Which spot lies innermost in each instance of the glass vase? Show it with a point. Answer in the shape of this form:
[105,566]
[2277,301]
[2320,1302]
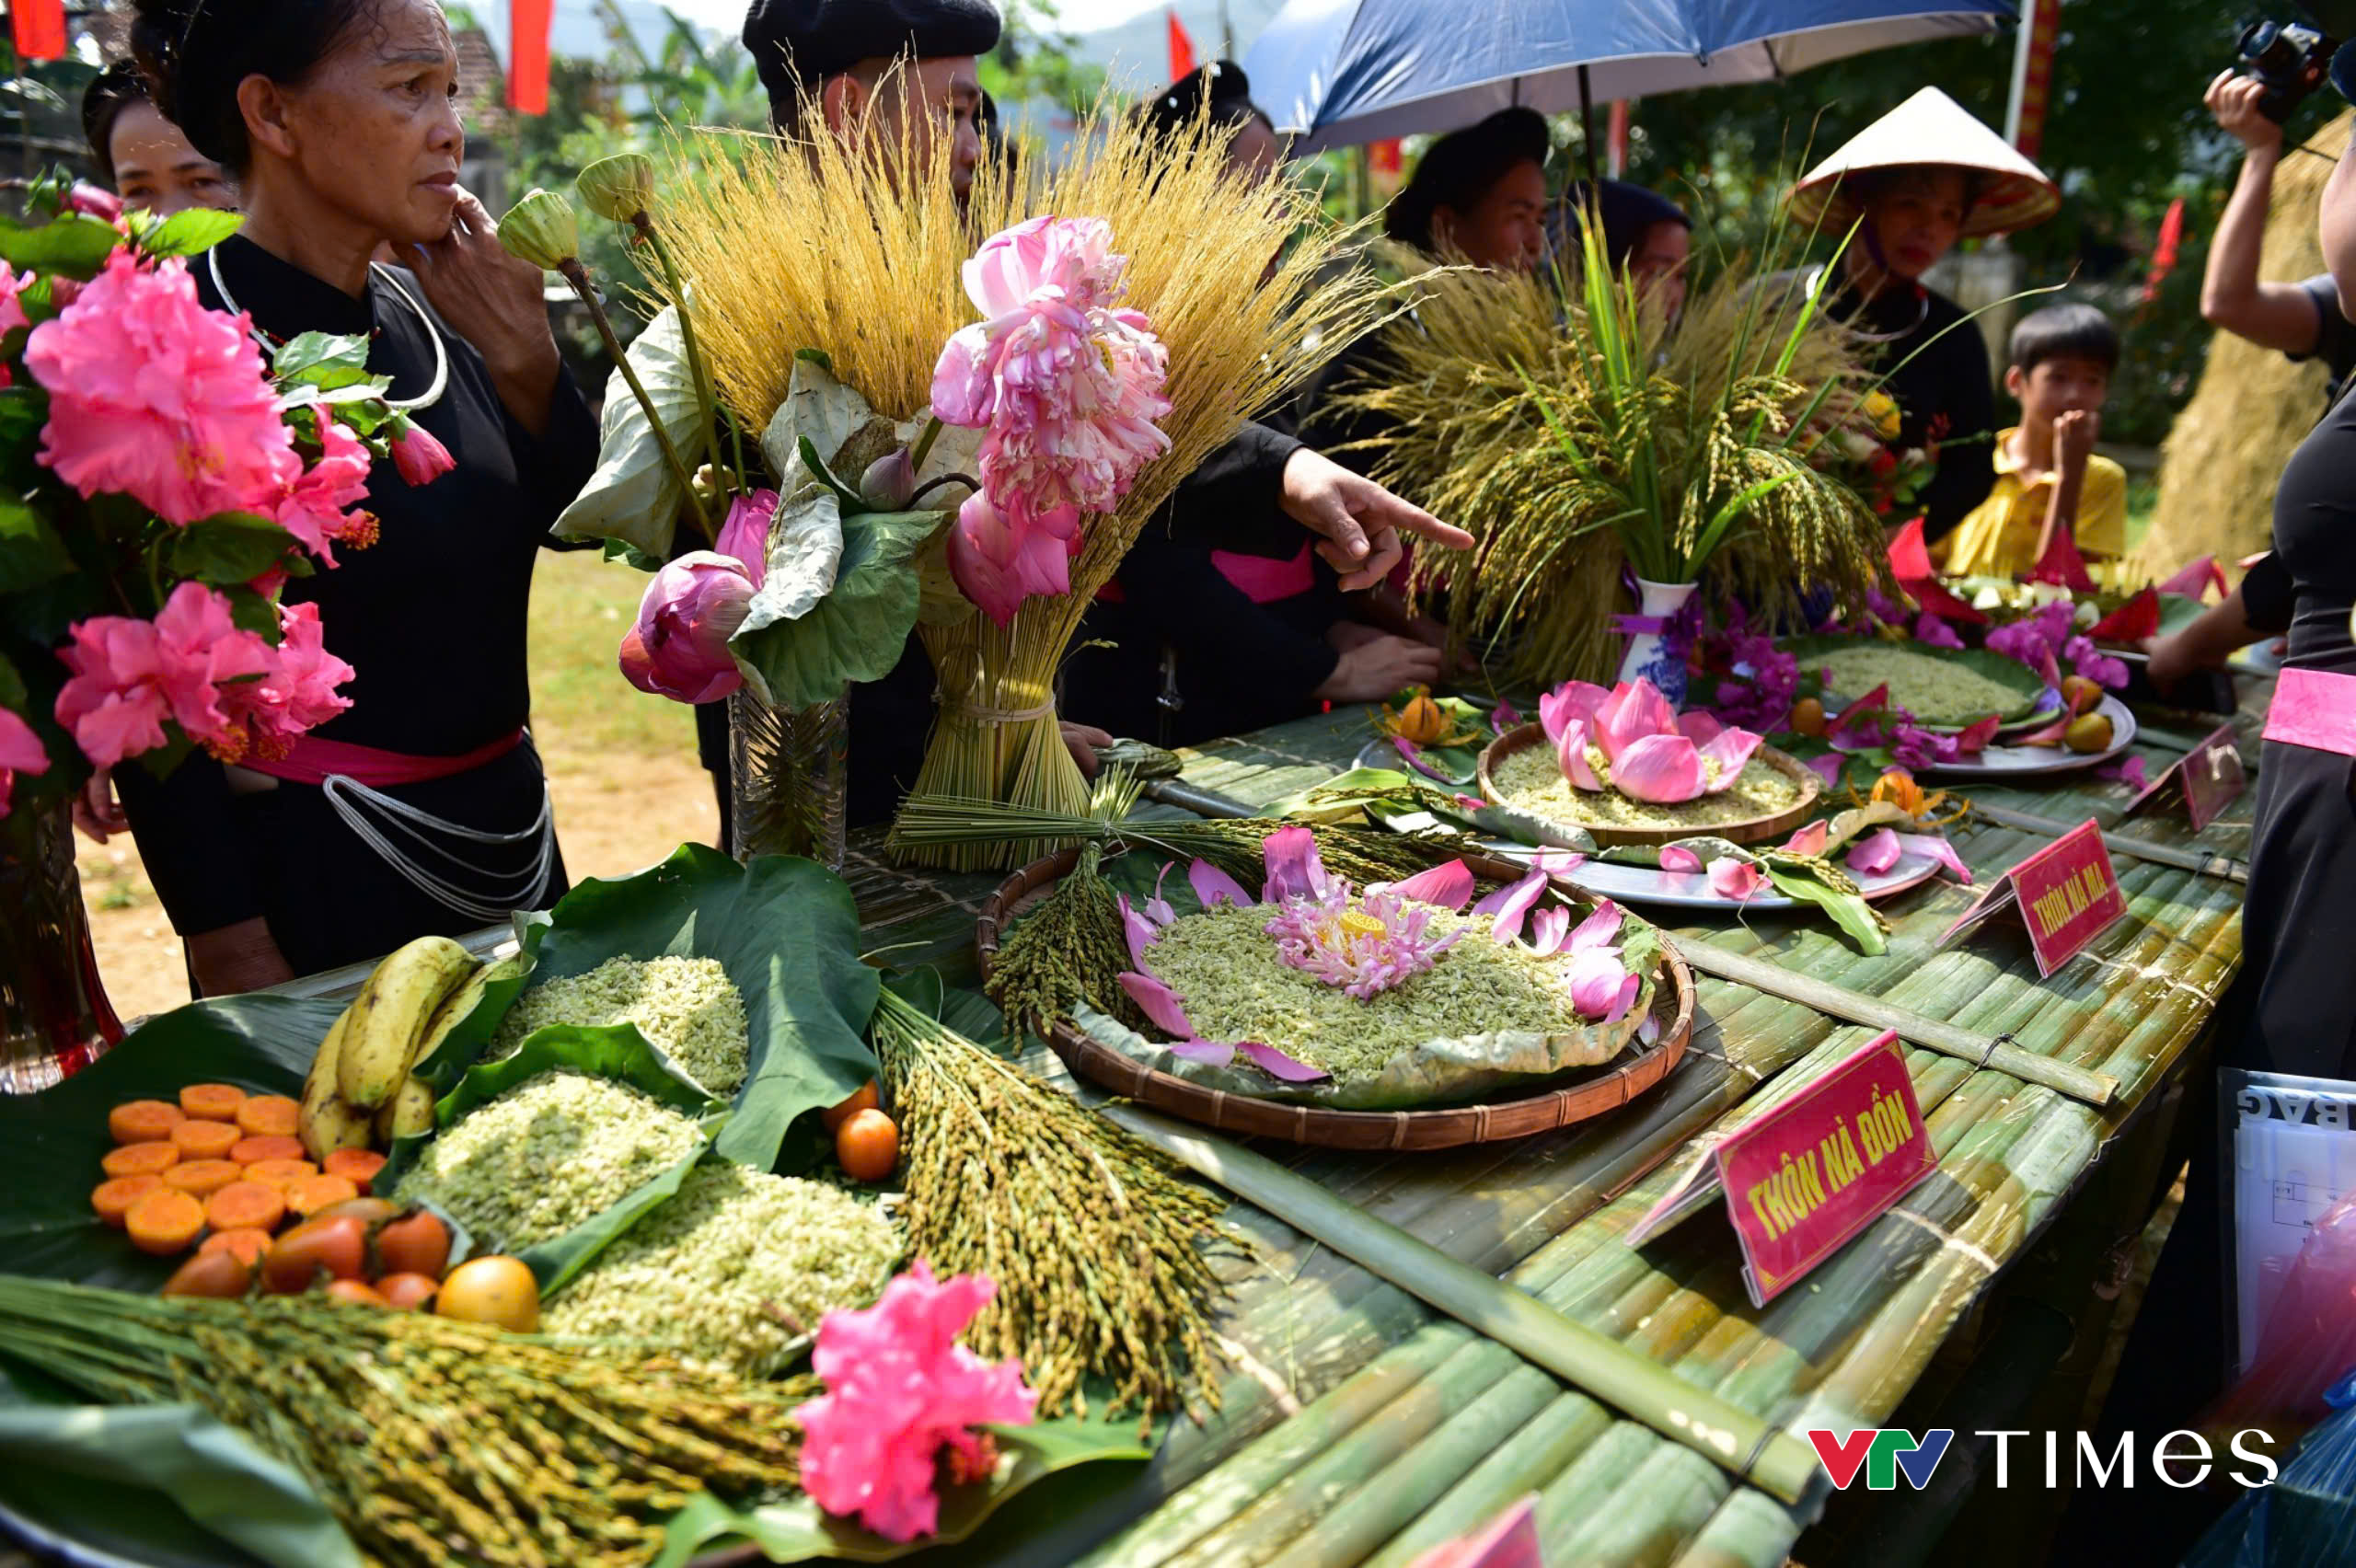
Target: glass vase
[790,778]
[54,1017]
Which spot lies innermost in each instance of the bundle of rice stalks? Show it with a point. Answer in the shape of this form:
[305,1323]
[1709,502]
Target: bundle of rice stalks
[2253,407]
[856,249]
[1577,433]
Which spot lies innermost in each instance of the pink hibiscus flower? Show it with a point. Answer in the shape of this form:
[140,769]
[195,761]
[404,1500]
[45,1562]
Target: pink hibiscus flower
[154,396]
[419,458]
[315,506]
[131,676]
[20,750]
[899,1388]
[297,693]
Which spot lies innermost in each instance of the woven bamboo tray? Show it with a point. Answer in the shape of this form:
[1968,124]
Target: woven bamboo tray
[1812,785]
[1594,1090]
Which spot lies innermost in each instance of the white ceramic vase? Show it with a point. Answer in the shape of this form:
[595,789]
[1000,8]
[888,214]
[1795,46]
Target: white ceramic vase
[1648,656]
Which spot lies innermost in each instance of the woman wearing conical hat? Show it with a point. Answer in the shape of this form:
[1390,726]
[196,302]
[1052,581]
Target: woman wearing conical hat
[1911,185]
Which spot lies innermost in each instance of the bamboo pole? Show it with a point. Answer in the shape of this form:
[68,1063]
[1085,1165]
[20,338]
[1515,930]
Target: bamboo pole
[1743,1443]
[2094,1089]
[2208,865]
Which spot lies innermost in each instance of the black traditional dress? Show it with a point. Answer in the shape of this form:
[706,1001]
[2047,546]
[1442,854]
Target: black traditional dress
[431,617]
[1938,370]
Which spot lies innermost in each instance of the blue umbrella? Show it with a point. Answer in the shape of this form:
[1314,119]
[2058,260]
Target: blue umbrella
[1340,72]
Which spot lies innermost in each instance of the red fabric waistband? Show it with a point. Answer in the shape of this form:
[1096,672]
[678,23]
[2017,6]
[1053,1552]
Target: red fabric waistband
[314,761]
[2316,708]
[1265,581]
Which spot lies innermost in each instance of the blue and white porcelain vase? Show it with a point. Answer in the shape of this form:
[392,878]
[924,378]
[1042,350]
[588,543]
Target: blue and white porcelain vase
[1652,655]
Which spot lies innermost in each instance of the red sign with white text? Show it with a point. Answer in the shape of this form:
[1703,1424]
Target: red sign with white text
[2066,893]
[2210,777]
[1808,1175]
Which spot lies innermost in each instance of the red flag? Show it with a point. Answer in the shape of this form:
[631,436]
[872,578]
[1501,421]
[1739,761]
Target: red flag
[40,29]
[1182,47]
[2044,25]
[527,54]
[1384,157]
[2165,248]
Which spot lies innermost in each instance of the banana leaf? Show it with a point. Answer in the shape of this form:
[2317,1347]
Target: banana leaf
[619,1053]
[795,1530]
[471,1035]
[786,930]
[50,1143]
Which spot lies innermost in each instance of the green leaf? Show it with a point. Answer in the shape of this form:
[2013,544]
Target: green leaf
[787,931]
[24,410]
[797,1528]
[50,1143]
[250,611]
[803,648]
[73,243]
[852,503]
[12,685]
[192,230]
[235,546]
[465,1042]
[620,1054]
[31,551]
[160,1483]
[321,358]
[633,496]
[1848,911]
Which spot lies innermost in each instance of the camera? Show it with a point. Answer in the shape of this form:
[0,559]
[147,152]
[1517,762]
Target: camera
[2294,58]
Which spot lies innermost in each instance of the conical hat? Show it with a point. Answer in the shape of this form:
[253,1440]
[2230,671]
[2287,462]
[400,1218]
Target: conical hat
[1931,129]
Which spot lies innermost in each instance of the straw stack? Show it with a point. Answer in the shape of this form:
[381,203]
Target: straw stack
[2226,450]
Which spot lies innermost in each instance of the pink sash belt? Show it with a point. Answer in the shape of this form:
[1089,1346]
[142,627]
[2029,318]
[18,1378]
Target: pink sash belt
[2316,708]
[1265,581]
[315,761]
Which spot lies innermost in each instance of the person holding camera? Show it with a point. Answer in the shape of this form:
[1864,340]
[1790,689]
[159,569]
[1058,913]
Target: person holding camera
[2301,319]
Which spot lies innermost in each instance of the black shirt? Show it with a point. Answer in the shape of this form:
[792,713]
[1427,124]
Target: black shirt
[431,616]
[1938,370]
[2335,335]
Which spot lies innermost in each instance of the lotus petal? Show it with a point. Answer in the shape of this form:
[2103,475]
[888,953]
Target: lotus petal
[1874,701]
[1572,700]
[1571,750]
[1141,932]
[1738,880]
[1829,767]
[1210,1052]
[1601,987]
[1875,853]
[1974,738]
[1699,727]
[1557,862]
[1599,929]
[1648,1030]
[1158,1002]
[1731,750]
[1214,887]
[1295,869]
[1413,755]
[1277,1065]
[1548,926]
[1505,716]
[1509,906]
[1446,886]
[1939,850]
[2128,769]
[1676,857]
[1810,839]
[1157,908]
[1636,711]
[1665,769]
[2051,735]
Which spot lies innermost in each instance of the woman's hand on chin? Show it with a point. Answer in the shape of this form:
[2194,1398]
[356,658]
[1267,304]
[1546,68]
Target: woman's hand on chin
[493,300]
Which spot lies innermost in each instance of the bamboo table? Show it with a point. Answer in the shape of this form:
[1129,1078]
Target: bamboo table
[1359,1428]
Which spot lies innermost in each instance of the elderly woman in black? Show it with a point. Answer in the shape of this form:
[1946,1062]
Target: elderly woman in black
[423,807]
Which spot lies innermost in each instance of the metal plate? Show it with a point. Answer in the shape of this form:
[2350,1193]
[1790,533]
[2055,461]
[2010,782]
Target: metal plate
[2033,762]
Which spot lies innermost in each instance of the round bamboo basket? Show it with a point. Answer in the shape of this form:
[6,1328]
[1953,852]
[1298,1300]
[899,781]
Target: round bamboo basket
[1812,785]
[1592,1092]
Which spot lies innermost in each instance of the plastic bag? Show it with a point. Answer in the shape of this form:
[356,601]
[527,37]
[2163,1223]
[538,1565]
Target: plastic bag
[2308,1519]
[2308,1337]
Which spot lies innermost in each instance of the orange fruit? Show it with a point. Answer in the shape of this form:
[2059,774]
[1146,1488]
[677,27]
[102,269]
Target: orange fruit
[868,1146]
[862,1099]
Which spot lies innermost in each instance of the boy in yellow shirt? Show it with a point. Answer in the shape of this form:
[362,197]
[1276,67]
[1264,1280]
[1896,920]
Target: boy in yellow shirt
[2048,477]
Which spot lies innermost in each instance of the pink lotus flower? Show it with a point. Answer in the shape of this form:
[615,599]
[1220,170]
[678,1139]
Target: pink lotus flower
[679,649]
[130,676]
[418,457]
[1294,867]
[1066,384]
[156,396]
[900,1389]
[314,507]
[1738,880]
[746,533]
[1652,754]
[20,751]
[1363,946]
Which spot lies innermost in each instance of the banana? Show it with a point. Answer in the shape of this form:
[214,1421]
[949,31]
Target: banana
[333,1126]
[389,1015]
[318,1085]
[409,1113]
[454,1006]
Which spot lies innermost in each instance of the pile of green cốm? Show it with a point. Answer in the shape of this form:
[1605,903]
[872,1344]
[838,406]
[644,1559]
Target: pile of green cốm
[1096,1241]
[430,1439]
